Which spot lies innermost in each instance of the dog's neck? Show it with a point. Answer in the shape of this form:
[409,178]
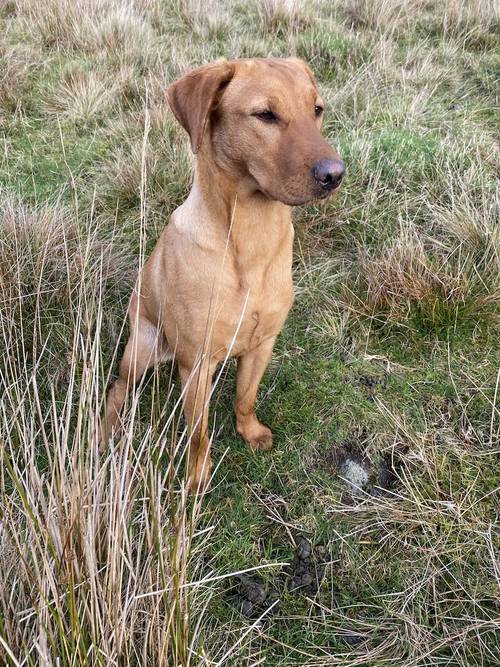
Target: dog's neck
[235,205]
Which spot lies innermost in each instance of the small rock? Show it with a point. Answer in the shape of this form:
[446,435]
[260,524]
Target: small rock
[355,474]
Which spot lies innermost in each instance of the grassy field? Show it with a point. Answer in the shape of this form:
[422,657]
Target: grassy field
[388,368]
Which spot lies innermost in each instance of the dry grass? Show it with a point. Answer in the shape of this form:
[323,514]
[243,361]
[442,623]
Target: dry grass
[382,15]
[12,82]
[119,177]
[391,346]
[208,18]
[400,273]
[48,258]
[96,546]
[82,95]
[450,266]
[119,27]
[471,21]
[470,222]
[448,536]
[282,15]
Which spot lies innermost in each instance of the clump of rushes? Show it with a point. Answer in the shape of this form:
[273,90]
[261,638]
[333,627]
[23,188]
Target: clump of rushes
[95,545]
[99,548]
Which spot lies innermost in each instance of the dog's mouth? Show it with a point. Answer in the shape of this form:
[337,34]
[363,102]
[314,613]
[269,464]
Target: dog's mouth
[324,193]
[315,196]
[290,198]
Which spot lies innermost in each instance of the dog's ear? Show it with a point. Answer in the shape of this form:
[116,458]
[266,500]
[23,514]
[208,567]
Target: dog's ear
[193,97]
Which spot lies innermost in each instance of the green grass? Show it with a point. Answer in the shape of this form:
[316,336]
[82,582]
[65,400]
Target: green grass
[391,349]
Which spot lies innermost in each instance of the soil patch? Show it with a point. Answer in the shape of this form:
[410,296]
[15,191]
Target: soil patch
[302,576]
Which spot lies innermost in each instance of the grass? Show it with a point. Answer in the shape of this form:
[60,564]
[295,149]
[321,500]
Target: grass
[390,355]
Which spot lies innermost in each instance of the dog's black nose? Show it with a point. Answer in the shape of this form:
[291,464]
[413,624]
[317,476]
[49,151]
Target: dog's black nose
[328,173]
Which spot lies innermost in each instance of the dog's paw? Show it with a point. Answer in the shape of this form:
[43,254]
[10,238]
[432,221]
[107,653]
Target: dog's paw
[263,443]
[258,436]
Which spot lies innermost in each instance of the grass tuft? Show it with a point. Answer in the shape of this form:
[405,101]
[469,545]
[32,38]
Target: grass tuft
[118,27]
[282,16]
[81,95]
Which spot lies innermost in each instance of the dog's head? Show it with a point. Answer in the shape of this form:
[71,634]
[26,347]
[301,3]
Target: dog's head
[260,121]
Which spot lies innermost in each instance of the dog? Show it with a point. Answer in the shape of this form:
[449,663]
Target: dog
[218,284]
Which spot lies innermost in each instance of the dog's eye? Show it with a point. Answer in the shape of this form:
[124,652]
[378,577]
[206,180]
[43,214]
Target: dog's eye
[318,111]
[266,115]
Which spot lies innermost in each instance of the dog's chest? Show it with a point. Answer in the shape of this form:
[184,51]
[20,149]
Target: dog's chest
[235,293]
[257,301]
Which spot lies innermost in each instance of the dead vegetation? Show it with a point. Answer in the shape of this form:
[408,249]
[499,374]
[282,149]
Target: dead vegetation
[104,559]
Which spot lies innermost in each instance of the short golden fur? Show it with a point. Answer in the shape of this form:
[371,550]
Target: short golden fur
[219,281]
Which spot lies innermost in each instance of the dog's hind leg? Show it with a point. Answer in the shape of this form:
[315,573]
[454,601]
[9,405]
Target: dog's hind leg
[197,384]
[145,348]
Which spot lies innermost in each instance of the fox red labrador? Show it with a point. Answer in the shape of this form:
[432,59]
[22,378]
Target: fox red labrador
[219,281]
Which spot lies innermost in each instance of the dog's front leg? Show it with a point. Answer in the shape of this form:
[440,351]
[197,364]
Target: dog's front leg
[251,367]
[197,385]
